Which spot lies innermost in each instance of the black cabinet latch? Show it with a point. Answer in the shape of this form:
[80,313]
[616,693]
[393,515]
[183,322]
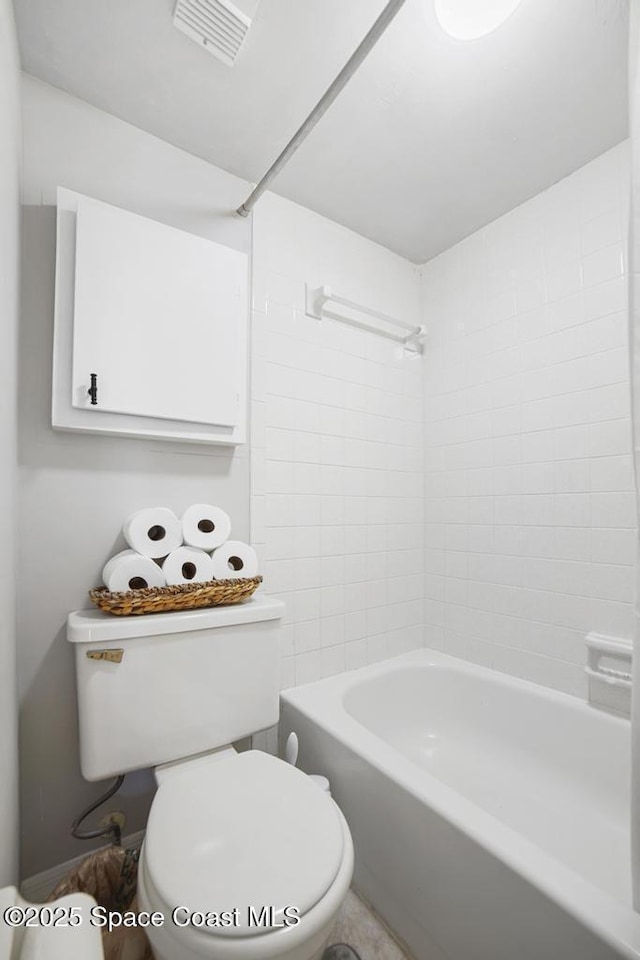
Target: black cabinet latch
[93,390]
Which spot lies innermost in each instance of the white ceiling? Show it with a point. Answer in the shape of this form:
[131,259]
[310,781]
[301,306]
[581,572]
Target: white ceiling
[431,139]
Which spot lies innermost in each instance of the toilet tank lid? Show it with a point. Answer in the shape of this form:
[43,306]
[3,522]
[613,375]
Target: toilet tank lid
[87,626]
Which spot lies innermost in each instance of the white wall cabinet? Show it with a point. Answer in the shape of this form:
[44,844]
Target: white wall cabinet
[150,328]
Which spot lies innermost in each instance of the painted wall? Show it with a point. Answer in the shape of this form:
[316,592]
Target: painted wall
[336,447]
[9,285]
[76,490]
[530,510]
[634,344]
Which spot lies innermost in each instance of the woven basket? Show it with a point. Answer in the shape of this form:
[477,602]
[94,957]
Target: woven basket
[187,596]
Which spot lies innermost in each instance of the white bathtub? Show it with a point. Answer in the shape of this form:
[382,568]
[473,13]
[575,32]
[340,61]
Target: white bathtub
[490,816]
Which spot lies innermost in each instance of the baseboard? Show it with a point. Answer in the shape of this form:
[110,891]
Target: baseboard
[36,889]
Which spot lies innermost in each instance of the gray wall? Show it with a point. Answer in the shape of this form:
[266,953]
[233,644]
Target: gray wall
[9,251]
[76,490]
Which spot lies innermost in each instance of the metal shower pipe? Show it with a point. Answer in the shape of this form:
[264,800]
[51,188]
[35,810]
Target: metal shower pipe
[350,67]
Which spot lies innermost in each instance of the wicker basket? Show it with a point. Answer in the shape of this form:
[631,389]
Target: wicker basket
[187,596]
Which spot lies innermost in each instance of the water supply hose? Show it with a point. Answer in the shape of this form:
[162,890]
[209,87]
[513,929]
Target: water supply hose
[112,830]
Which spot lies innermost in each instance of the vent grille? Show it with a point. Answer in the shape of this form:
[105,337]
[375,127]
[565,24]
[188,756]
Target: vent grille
[217,25]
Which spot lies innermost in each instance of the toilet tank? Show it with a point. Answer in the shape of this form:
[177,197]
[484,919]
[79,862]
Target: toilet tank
[166,686]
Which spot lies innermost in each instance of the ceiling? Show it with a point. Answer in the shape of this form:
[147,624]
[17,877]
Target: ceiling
[431,139]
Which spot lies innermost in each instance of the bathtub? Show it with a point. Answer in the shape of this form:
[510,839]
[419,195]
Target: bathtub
[490,816]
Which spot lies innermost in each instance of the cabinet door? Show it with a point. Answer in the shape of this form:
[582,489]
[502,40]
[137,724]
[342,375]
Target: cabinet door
[157,318]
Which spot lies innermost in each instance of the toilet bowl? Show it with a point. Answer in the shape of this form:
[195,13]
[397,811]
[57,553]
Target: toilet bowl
[245,857]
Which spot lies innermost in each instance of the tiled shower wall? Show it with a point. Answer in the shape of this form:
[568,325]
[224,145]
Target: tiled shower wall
[530,516]
[336,447]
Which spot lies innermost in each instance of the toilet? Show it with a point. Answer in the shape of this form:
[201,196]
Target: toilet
[244,857]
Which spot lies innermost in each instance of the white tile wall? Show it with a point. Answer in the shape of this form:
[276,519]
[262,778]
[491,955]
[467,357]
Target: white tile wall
[336,448]
[529,509]
[482,500]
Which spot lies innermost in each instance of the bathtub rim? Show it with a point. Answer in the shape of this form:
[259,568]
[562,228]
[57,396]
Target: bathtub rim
[322,703]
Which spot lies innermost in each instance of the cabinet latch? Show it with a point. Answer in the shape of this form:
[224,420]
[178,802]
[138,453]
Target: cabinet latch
[93,389]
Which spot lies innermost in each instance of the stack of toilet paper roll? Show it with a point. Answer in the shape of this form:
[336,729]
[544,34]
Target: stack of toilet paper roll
[166,551]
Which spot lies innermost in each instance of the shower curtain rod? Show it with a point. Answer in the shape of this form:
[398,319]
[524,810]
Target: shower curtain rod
[323,104]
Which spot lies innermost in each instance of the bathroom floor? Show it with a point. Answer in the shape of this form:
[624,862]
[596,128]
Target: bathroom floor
[363,930]
[357,925]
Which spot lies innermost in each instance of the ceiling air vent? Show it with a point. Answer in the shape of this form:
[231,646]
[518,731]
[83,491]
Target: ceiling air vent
[217,25]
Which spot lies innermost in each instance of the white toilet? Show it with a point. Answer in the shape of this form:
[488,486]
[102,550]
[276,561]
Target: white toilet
[244,856]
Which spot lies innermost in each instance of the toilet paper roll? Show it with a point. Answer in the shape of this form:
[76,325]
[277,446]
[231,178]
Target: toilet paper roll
[187,565]
[129,570]
[205,526]
[233,560]
[154,532]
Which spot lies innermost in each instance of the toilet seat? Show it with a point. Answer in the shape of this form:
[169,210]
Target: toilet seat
[244,831]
